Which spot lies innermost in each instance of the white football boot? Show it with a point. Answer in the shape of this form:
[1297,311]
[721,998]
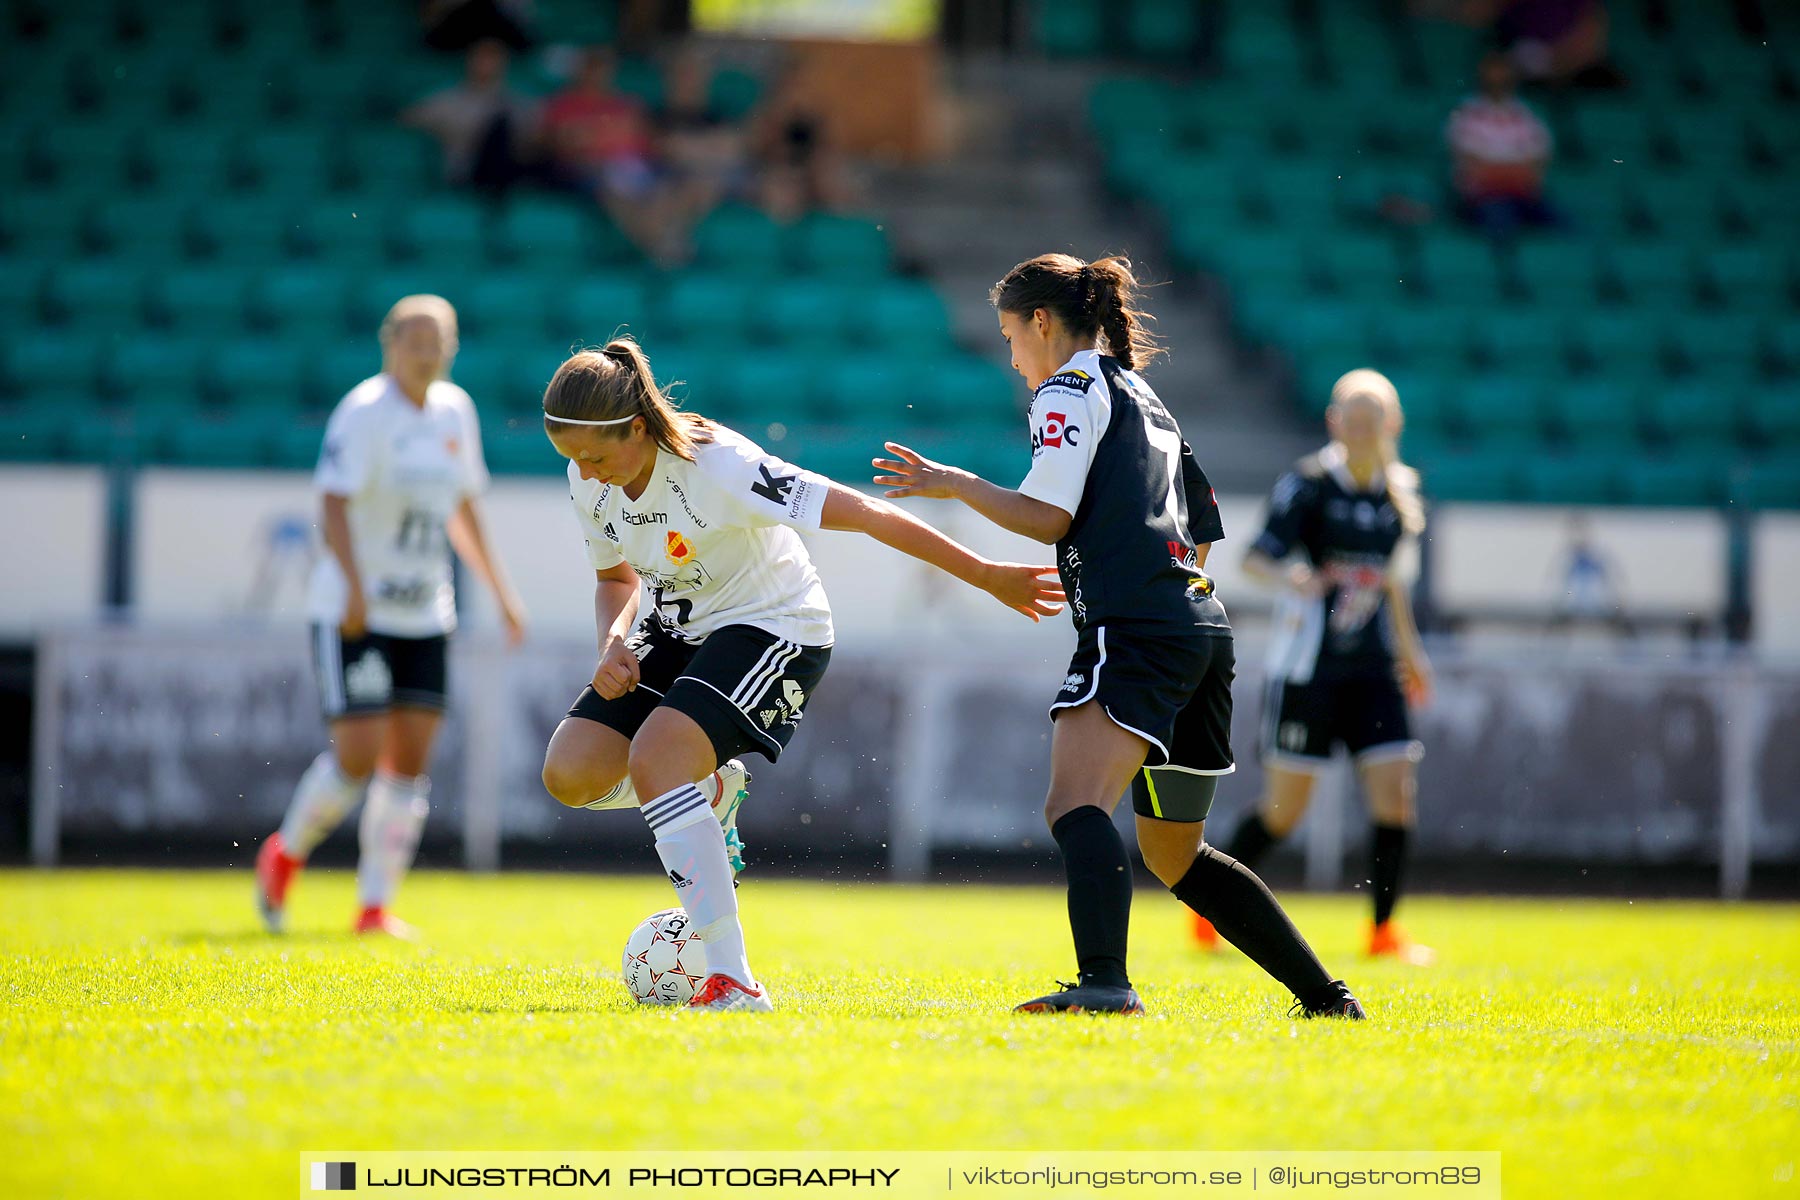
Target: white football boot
[722,993]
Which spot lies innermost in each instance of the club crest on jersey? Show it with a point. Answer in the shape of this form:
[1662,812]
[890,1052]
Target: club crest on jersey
[677,549]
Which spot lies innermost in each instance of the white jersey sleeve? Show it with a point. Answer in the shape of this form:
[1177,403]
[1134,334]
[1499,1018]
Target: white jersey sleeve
[1069,415]
[603,553]
[347,460]
[764,489]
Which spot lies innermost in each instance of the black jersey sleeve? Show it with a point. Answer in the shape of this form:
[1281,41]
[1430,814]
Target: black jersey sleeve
[1288,505]
[1204,524]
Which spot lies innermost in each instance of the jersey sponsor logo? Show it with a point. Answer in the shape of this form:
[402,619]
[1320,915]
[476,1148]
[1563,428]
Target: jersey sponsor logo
[1185,557]
[612,534]
[600,500]
[685,506]
[1200,587]
[800,498]
[1074,681]
[773,488]
[1075,381]
[679,880]
[1071,576]
[1055,431]
[1292,736]
[649,518]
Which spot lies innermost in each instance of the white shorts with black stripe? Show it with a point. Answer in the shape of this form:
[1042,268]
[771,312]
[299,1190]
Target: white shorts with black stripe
[745,687]
[376,672]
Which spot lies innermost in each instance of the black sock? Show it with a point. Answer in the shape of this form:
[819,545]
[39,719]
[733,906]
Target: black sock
[1099,892]
[1251,841]
[1247,915]
[1387,855]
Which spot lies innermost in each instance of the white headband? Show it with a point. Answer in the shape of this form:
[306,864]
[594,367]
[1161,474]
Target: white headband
[573,421]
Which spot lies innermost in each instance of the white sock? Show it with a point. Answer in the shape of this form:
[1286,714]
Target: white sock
[392,820]
[321,798]
[624,795]
[692,848]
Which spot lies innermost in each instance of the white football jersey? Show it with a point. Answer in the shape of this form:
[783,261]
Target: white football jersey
[715,539]
[404,469]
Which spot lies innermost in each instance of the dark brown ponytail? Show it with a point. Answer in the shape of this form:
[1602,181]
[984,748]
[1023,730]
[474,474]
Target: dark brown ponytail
[1094,299]
[615,382]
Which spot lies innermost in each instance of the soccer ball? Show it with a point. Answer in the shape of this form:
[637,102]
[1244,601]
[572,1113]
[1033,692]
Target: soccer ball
[664,963]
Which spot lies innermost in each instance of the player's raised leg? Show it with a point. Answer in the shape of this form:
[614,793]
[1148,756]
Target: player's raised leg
[668,756]
[586,767]
[327,791]
[394,818]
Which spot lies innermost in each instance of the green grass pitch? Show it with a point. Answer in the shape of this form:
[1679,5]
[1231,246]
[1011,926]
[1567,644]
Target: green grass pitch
[154,1042]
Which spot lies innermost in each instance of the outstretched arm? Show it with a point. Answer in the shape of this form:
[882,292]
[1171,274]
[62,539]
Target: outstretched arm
[912,474]
[1021,588]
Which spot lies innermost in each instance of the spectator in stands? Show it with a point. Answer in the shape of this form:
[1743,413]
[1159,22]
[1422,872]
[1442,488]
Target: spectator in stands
[488,132]
[459,24]
[798,169]
[704,152]
[1500,150]
[1548,41]
[601,145]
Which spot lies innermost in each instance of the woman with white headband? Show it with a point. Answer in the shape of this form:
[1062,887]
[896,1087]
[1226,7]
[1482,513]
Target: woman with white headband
[739,631]
[398,478]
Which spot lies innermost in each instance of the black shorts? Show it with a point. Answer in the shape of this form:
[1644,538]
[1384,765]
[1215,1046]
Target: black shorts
[378,671]
[1302,722]
[1172,691]
[745,688]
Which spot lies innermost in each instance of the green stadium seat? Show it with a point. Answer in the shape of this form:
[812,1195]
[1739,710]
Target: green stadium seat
[1558,273]
[1597,415]
[340,366]
[717,306]
[503,305]
[514,444]
[385,160]
[591,308]
[1648,274]
[96,295]
[1162,29]
[863,387]
[1674,482]
[214,440]
[1498,409]
[1689,414]
[1749,278]
[1071,28]
[267,375]
[533,367]
[903,313]
[1457,267]
[174,159]
[1771,484]
[1295,195]
[285,162]
[443,228]
[147,229]
[808,313]
[734,94]
[242,230]
[1424,336]
[840,246]
[1704,342]
[92,153]
[1470,475]
[152,363]
[374,295]
[21,292]
[33,435]
[200,299]
[302,300]
[1586,478]
[48,366]
[545,232]
[488,371]
[1773,416]
[977,391]
[351,230]
[295,444]
[695,379]
[1121,104]
[740,239]
[1529,340]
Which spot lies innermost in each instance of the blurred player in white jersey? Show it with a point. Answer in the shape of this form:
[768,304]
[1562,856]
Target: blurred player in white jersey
[739,632]
[398,480]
